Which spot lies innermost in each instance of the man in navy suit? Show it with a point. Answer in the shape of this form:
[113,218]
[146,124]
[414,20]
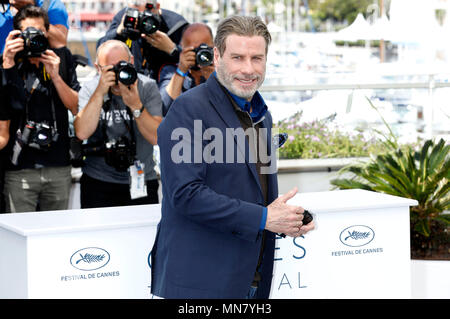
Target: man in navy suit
[220,210]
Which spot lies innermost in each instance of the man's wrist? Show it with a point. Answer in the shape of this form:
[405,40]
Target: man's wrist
[174,50]
[99,94]
[56,78]
[138,111]
[262,225]
[8,63]
[137,106]
[181,73]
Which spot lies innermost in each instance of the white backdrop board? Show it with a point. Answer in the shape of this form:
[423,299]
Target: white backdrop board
[359,249]
[90,253]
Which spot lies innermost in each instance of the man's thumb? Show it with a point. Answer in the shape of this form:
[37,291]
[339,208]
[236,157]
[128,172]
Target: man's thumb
[285,197]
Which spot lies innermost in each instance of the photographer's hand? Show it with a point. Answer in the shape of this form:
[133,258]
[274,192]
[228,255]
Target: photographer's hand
[87,119]
[206,71]
[147,124]
[161,41]
[130,96]
[51,62]
[187,59]
[120,27]
[68,96]
[13,45]
[107,79]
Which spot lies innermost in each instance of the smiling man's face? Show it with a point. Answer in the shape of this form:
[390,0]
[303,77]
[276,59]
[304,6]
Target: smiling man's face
[242,67]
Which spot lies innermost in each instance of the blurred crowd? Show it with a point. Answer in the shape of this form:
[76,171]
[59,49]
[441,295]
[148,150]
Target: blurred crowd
[144,61]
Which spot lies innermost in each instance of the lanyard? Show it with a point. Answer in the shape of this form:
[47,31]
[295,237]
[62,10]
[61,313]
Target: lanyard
[34,86]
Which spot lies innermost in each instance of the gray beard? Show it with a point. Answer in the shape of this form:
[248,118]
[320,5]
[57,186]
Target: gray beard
[226,81]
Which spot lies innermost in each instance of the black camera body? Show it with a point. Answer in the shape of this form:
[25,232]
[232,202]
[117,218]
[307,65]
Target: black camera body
[35,42]
[120,153]
[135,23]
[204,55]
[125,72]
[39,135]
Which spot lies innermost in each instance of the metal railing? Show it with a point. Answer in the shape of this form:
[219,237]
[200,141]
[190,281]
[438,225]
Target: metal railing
[428,109]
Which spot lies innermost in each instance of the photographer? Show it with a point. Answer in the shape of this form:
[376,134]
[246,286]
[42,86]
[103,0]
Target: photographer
[57,15]
[195,66]
[119,113]
[150,49]
[41,85]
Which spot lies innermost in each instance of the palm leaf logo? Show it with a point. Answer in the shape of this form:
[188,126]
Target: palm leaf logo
[89,258]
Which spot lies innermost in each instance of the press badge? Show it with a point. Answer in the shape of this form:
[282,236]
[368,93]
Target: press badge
[138,188]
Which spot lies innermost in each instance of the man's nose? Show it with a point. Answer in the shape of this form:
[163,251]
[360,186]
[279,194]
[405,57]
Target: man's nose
[247,67]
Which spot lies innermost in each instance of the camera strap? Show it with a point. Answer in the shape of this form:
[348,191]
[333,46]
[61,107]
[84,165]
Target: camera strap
[34,86]
[107,106]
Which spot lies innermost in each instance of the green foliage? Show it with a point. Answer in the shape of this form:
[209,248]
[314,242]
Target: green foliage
[418,171]
[318,139]
[338,10]
[422,175]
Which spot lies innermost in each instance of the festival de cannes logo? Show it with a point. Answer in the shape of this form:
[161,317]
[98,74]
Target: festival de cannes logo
[357,235]
[90,258]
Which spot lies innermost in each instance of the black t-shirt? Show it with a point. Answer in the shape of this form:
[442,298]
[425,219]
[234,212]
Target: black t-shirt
[4,114]
[22,106]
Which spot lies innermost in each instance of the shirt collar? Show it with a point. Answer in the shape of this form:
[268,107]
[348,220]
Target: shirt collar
[257,105]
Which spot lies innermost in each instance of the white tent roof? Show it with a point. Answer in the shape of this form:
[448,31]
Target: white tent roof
[358,30]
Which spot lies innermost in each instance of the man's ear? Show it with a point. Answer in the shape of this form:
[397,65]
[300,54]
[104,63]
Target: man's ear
[97,67]
[216,56]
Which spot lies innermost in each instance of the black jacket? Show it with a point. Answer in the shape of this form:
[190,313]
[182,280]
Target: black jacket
[20,105]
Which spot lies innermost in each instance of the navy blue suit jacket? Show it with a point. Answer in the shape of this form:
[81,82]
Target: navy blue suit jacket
[208,240]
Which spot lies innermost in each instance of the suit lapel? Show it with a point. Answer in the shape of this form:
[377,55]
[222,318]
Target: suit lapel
[225,109]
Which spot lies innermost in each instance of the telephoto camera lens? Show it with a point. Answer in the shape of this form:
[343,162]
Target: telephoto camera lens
[125,72]
[149,23]
[43,135]
[35,42]
[204,55]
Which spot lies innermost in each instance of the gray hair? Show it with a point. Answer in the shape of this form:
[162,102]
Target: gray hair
[242,26]
[113,44]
